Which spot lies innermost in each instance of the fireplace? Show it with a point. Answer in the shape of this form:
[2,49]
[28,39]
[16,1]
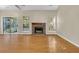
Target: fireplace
[38,28]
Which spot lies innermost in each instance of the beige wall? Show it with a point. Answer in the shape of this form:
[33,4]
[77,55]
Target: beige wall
[35,16]
[68,22]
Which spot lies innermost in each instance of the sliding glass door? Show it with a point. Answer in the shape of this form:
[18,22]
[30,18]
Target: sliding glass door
[10,25]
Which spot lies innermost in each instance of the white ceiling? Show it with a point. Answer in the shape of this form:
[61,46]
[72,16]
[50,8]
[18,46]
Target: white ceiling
[7,7]
[28,7]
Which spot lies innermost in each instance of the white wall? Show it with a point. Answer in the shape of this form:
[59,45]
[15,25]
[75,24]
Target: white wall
[40,17]
[34,16]
[68,22]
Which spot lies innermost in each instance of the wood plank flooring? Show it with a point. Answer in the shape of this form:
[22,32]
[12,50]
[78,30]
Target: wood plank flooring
[35,44]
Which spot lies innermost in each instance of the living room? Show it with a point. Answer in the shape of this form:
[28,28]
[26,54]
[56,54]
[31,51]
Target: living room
[38,28]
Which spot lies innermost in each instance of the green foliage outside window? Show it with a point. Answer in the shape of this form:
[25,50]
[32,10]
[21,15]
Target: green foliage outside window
[25,23]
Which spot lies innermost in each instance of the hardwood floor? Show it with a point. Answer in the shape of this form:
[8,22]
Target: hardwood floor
[35,43]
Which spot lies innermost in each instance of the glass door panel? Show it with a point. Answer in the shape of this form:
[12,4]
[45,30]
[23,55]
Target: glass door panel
[10,25]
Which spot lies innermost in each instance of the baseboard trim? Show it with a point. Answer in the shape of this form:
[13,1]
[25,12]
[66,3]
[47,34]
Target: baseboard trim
[68,40]
[51,33]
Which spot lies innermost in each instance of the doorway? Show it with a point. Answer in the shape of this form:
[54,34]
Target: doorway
[9,25]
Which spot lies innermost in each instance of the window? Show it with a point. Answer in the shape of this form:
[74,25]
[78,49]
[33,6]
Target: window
[51,23]
[25,23]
